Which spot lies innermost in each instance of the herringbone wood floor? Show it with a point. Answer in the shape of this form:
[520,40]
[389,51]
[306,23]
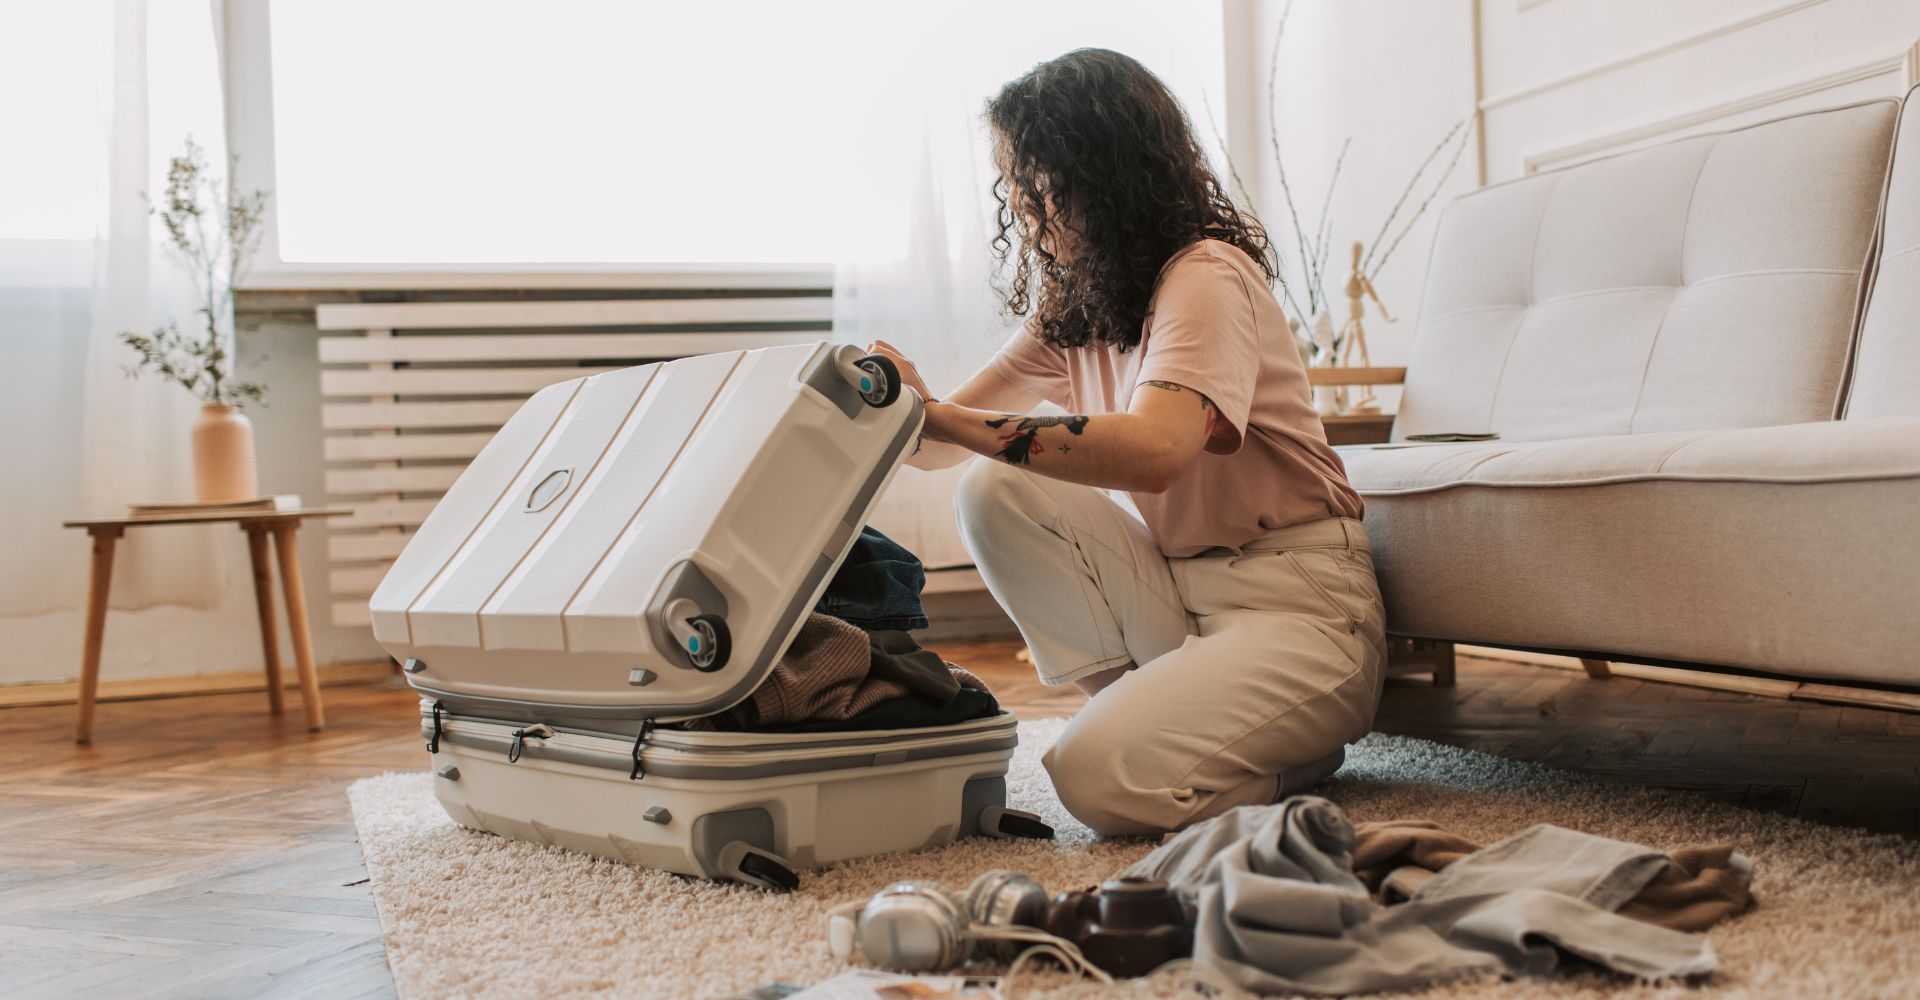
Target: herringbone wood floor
[202,849]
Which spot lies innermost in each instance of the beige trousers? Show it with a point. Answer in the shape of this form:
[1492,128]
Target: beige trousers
[1254,670]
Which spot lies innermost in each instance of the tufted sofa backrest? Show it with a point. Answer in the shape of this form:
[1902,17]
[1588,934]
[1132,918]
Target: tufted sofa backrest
[1886,364]
[1705,283]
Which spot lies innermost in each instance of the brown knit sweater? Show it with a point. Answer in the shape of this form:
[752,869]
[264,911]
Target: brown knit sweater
[828,674]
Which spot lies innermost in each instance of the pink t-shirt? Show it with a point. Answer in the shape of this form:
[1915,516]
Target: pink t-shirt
[1212,326]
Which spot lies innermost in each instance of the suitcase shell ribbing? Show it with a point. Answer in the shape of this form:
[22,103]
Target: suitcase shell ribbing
[639,547]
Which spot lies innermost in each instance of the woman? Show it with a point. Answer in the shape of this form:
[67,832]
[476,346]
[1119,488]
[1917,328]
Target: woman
[1230,632]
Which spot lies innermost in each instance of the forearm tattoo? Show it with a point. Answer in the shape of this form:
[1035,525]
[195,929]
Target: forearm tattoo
[1019,445]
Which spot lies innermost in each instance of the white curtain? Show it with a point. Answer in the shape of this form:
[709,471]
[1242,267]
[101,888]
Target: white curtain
[116,89]
[924,287]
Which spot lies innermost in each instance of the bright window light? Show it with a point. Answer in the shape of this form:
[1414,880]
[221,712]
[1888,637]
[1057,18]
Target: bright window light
[586,132]
[56,108]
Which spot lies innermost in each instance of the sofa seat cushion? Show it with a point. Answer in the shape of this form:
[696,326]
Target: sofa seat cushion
[1791,453]
[1782,549]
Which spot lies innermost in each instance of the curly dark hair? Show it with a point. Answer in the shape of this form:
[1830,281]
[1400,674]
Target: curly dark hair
[1093,149]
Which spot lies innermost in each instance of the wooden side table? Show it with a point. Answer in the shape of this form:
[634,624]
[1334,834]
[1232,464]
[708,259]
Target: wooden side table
[1357,428]
[282,528]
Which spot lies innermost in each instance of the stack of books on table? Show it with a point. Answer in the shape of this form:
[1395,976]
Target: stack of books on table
[254,505]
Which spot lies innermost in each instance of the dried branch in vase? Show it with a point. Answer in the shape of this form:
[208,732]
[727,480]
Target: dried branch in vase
[1313,243]
[213,231]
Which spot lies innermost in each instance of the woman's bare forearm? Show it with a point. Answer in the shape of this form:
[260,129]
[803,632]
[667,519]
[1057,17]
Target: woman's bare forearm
[985,390]
[937,455]
[1123,451]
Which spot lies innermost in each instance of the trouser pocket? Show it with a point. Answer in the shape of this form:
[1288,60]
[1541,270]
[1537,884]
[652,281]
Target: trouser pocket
[1324,572]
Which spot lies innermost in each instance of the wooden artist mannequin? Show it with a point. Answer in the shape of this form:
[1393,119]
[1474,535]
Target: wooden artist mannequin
[1359,290]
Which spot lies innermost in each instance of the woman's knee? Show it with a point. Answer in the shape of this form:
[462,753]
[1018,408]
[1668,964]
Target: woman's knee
[1090,775]
[988,494]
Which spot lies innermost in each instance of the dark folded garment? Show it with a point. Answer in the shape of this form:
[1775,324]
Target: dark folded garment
[877,586]
[966,705]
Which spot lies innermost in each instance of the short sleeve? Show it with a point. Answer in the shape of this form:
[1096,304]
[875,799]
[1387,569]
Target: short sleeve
[1027,362]
[1202,335]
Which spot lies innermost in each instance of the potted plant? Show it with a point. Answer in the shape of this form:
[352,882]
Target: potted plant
[213,231]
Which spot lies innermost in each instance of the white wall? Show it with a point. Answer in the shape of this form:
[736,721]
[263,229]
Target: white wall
[1563,81]
[1568,80]
[1391,74]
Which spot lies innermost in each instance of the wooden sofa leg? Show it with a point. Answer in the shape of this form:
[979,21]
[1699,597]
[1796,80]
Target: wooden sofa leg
[1597,669]
[1443,664]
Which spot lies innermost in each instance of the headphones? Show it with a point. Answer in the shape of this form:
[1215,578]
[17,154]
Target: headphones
[919,926]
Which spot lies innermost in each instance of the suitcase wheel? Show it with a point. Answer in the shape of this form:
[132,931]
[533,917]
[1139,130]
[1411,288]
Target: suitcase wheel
[879,382]
[710,644]
[767,872]
[1004,823]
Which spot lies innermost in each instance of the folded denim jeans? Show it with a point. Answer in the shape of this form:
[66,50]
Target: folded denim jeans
[877,586]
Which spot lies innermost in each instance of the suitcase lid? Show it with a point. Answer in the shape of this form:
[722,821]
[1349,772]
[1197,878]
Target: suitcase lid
[645,543]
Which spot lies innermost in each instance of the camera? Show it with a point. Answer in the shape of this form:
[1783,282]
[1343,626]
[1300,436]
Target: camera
[1125,927]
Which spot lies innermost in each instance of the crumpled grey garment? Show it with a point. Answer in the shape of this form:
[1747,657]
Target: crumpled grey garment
[1278,909]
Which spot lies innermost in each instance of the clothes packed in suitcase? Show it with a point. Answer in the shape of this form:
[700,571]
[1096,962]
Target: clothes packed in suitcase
[597,612]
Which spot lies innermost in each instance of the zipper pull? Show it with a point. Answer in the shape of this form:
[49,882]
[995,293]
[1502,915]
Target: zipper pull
[538,732]
[639,741]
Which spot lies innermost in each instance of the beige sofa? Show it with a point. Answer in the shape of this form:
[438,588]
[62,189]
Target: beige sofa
[1703,362]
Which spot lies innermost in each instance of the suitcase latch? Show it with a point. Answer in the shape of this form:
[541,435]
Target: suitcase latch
[639,741]
[538,732]
[433,742]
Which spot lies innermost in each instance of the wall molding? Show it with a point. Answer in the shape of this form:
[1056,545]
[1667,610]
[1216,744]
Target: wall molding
[1543,158]
[1668,47]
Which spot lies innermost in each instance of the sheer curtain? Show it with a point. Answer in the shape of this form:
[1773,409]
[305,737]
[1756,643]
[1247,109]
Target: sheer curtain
[924,286]
[116,89]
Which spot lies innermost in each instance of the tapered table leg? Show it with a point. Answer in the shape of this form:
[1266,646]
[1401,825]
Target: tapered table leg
[99,580]
[257,543]
[1443,666]
[286,545]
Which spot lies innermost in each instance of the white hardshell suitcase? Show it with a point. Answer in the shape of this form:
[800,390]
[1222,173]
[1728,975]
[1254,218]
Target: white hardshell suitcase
[640,547]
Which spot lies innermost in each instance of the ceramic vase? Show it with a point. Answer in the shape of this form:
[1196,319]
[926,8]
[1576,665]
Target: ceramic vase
[223,468]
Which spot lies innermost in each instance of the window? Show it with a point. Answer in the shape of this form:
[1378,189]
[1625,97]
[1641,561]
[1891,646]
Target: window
[575,132]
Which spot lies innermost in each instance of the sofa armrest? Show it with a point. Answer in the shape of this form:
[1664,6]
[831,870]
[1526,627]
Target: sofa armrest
[1356,376]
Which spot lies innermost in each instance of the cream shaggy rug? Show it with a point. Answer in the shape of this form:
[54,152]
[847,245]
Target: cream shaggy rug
[468,914]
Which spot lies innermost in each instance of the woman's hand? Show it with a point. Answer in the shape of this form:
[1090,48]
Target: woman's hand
[909,375]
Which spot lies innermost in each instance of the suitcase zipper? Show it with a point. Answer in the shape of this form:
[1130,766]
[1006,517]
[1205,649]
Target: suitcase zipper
[644,751]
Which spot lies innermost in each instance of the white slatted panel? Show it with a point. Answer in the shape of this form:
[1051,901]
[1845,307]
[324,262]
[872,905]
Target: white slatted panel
[413,390]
